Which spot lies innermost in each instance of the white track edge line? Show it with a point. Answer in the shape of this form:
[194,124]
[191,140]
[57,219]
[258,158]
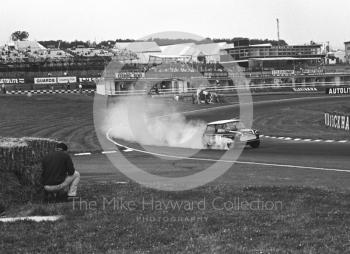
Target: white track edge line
[226,161]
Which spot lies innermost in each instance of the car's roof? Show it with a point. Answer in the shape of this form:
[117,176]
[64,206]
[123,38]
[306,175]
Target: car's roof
[224,121]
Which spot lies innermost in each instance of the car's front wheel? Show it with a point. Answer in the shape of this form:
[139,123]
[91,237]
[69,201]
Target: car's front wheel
[255,144]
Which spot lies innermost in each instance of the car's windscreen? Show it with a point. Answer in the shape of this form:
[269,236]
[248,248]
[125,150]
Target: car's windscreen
[234,126]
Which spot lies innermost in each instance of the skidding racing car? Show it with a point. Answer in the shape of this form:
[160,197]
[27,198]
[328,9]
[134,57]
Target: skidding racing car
[225,133]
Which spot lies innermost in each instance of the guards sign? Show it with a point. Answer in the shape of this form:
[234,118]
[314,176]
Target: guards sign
[46,80]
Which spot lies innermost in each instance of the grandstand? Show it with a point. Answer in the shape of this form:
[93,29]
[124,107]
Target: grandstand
[29,51]
[9,54]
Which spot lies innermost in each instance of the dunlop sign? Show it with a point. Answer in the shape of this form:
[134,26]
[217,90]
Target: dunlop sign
[337,121]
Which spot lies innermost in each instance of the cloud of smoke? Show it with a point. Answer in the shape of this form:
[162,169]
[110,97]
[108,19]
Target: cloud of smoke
[150,121]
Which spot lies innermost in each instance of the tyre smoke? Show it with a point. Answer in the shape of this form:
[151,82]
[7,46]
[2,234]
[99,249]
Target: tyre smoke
[150,121]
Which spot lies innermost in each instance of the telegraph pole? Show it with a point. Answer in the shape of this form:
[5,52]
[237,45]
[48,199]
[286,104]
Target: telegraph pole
[278,31]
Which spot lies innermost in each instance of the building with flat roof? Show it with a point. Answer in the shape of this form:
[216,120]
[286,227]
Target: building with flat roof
[265,56]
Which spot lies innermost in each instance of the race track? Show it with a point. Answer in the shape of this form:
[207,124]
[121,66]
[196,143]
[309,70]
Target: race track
[276,162]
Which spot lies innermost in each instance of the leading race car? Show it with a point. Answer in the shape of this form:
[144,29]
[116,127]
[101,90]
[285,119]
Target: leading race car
[225,133]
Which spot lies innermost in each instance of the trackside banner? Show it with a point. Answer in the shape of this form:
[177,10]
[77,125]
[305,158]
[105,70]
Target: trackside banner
[85,79]
[337,121]
[11,81]
[338,90]
[304,72]
[64,80]
[47,80]
[130,75]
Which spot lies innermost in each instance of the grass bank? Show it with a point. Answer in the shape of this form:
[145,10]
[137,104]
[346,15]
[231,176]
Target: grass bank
[303,119]
[125,218]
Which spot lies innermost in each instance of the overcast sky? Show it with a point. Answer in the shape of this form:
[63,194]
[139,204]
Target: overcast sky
[300,20]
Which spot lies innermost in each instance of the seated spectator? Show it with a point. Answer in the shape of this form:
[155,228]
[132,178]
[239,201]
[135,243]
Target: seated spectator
[59,173]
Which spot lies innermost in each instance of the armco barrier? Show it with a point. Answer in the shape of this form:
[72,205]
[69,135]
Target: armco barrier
[22,157]
[230,89]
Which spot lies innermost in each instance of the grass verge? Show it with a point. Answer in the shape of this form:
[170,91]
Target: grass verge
[303,119]
[125,218]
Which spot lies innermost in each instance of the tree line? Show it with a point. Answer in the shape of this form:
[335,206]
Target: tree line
[237,41]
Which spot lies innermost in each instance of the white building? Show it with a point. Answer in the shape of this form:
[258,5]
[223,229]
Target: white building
[142,49]
[28,45]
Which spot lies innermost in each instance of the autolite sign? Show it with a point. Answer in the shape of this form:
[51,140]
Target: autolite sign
[337,121]
[12,81]
[338,90]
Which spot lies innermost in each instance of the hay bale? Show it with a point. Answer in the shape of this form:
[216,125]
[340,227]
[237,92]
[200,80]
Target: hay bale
[20,167]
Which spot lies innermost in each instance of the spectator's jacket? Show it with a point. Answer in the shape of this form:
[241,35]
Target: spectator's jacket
[56,166]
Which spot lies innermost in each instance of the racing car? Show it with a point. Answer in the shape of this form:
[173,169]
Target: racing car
[225,133]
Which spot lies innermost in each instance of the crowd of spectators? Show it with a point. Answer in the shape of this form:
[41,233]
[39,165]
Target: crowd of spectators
[133,67]
[187,67]
[20,61]
[44,54]
[172,67]
[90,52]
[10,55]
[13,54]
[207,67]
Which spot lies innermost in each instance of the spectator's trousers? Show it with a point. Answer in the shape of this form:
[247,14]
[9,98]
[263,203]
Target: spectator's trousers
[70,183]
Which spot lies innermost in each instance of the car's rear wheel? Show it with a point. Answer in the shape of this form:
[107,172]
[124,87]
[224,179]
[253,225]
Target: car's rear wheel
[255,144]
[230,145]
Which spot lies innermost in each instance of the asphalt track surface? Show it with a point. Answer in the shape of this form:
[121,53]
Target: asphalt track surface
[275,162]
